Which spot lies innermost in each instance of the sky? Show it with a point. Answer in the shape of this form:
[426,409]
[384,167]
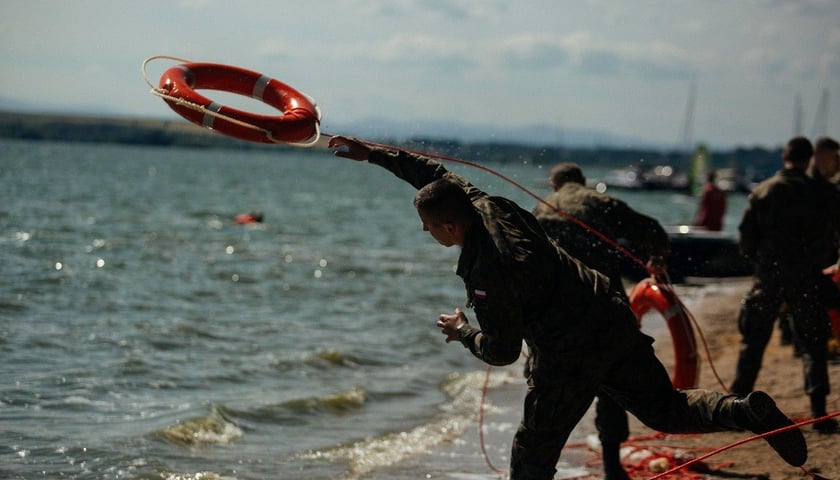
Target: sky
[758,68]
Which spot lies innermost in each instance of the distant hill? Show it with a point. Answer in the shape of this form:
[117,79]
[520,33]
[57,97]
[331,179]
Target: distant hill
[509,146]
[543,135]
[380,127]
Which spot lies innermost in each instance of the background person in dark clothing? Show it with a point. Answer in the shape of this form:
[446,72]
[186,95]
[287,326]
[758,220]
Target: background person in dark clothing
[786,230]
[614,219]
[825,163]
[582,336]
[823,168]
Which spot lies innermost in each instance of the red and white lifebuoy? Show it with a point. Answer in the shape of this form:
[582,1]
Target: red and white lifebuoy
[298,123]
[647,295]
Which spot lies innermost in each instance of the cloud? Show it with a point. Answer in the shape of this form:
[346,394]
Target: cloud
[598,62]
[444,10]
[421,51]
[195,4]
[593,55]
[532,52]
[765,62]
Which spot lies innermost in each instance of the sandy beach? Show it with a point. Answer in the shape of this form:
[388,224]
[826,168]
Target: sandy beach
[715,309]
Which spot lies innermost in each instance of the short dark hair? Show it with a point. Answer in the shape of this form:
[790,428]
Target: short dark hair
[446,202]
[826,143]
[567,172]
[798,151]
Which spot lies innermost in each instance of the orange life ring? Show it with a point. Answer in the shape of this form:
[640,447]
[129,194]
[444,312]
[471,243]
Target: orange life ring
[298,123]
[647,295]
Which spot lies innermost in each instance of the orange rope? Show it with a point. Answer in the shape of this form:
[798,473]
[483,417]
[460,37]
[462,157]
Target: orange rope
[539,199]
[481,423]
[746,440]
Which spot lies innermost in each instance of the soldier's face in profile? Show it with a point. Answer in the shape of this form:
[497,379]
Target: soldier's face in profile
[442,232]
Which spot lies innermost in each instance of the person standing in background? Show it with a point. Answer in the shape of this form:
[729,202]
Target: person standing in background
[712,205]
[785,231]
[824,167]
[826,160]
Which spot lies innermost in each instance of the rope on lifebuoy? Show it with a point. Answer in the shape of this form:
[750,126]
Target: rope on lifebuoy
[205,110]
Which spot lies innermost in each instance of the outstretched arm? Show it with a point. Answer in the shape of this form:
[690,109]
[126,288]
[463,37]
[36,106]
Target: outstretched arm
[418,170]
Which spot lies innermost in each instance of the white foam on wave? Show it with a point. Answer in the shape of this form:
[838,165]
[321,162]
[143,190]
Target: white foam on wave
[214,429]
[391,449]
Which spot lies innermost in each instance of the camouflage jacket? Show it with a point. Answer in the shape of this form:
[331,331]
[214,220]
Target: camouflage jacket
[611,217]
[520,284]
[787,228]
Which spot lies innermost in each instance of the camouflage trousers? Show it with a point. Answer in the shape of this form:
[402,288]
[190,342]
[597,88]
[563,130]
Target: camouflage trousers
[810,327]
[615,360]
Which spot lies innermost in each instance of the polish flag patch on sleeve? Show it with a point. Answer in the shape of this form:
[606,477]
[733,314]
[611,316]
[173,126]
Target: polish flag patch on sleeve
[480,294]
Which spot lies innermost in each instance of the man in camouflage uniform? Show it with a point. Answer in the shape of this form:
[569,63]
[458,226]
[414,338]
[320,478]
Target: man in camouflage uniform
[823,168]
[582,336]
[786,231]
[615,220]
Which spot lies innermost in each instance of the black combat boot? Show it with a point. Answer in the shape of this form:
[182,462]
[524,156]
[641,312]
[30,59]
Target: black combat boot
[611,452]
[827,426]
[757,412]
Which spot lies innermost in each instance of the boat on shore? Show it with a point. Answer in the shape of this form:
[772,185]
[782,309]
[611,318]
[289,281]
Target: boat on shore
[669,176]
[634,177]
[697,252]
[665,177]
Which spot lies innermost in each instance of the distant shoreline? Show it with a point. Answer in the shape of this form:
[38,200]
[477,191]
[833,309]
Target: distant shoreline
[180,133]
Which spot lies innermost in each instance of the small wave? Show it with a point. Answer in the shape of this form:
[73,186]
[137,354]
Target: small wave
[11,306]
[332,357]
[214,429]
[368,455]
[465,389]
[340,402]
[390,449]
[79,400]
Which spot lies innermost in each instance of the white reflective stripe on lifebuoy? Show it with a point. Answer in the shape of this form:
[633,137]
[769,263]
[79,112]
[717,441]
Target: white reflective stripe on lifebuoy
[209,118]
[259,87]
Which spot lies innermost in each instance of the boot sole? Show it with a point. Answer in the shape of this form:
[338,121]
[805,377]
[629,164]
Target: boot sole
[766,417]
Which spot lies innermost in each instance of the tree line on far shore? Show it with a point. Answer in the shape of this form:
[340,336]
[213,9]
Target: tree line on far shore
[758,161]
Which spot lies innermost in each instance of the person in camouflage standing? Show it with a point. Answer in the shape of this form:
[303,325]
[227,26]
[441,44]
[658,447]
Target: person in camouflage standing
[614,219]
[582,336]
[786,231]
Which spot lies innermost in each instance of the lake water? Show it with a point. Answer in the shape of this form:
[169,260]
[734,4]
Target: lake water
[145,335]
